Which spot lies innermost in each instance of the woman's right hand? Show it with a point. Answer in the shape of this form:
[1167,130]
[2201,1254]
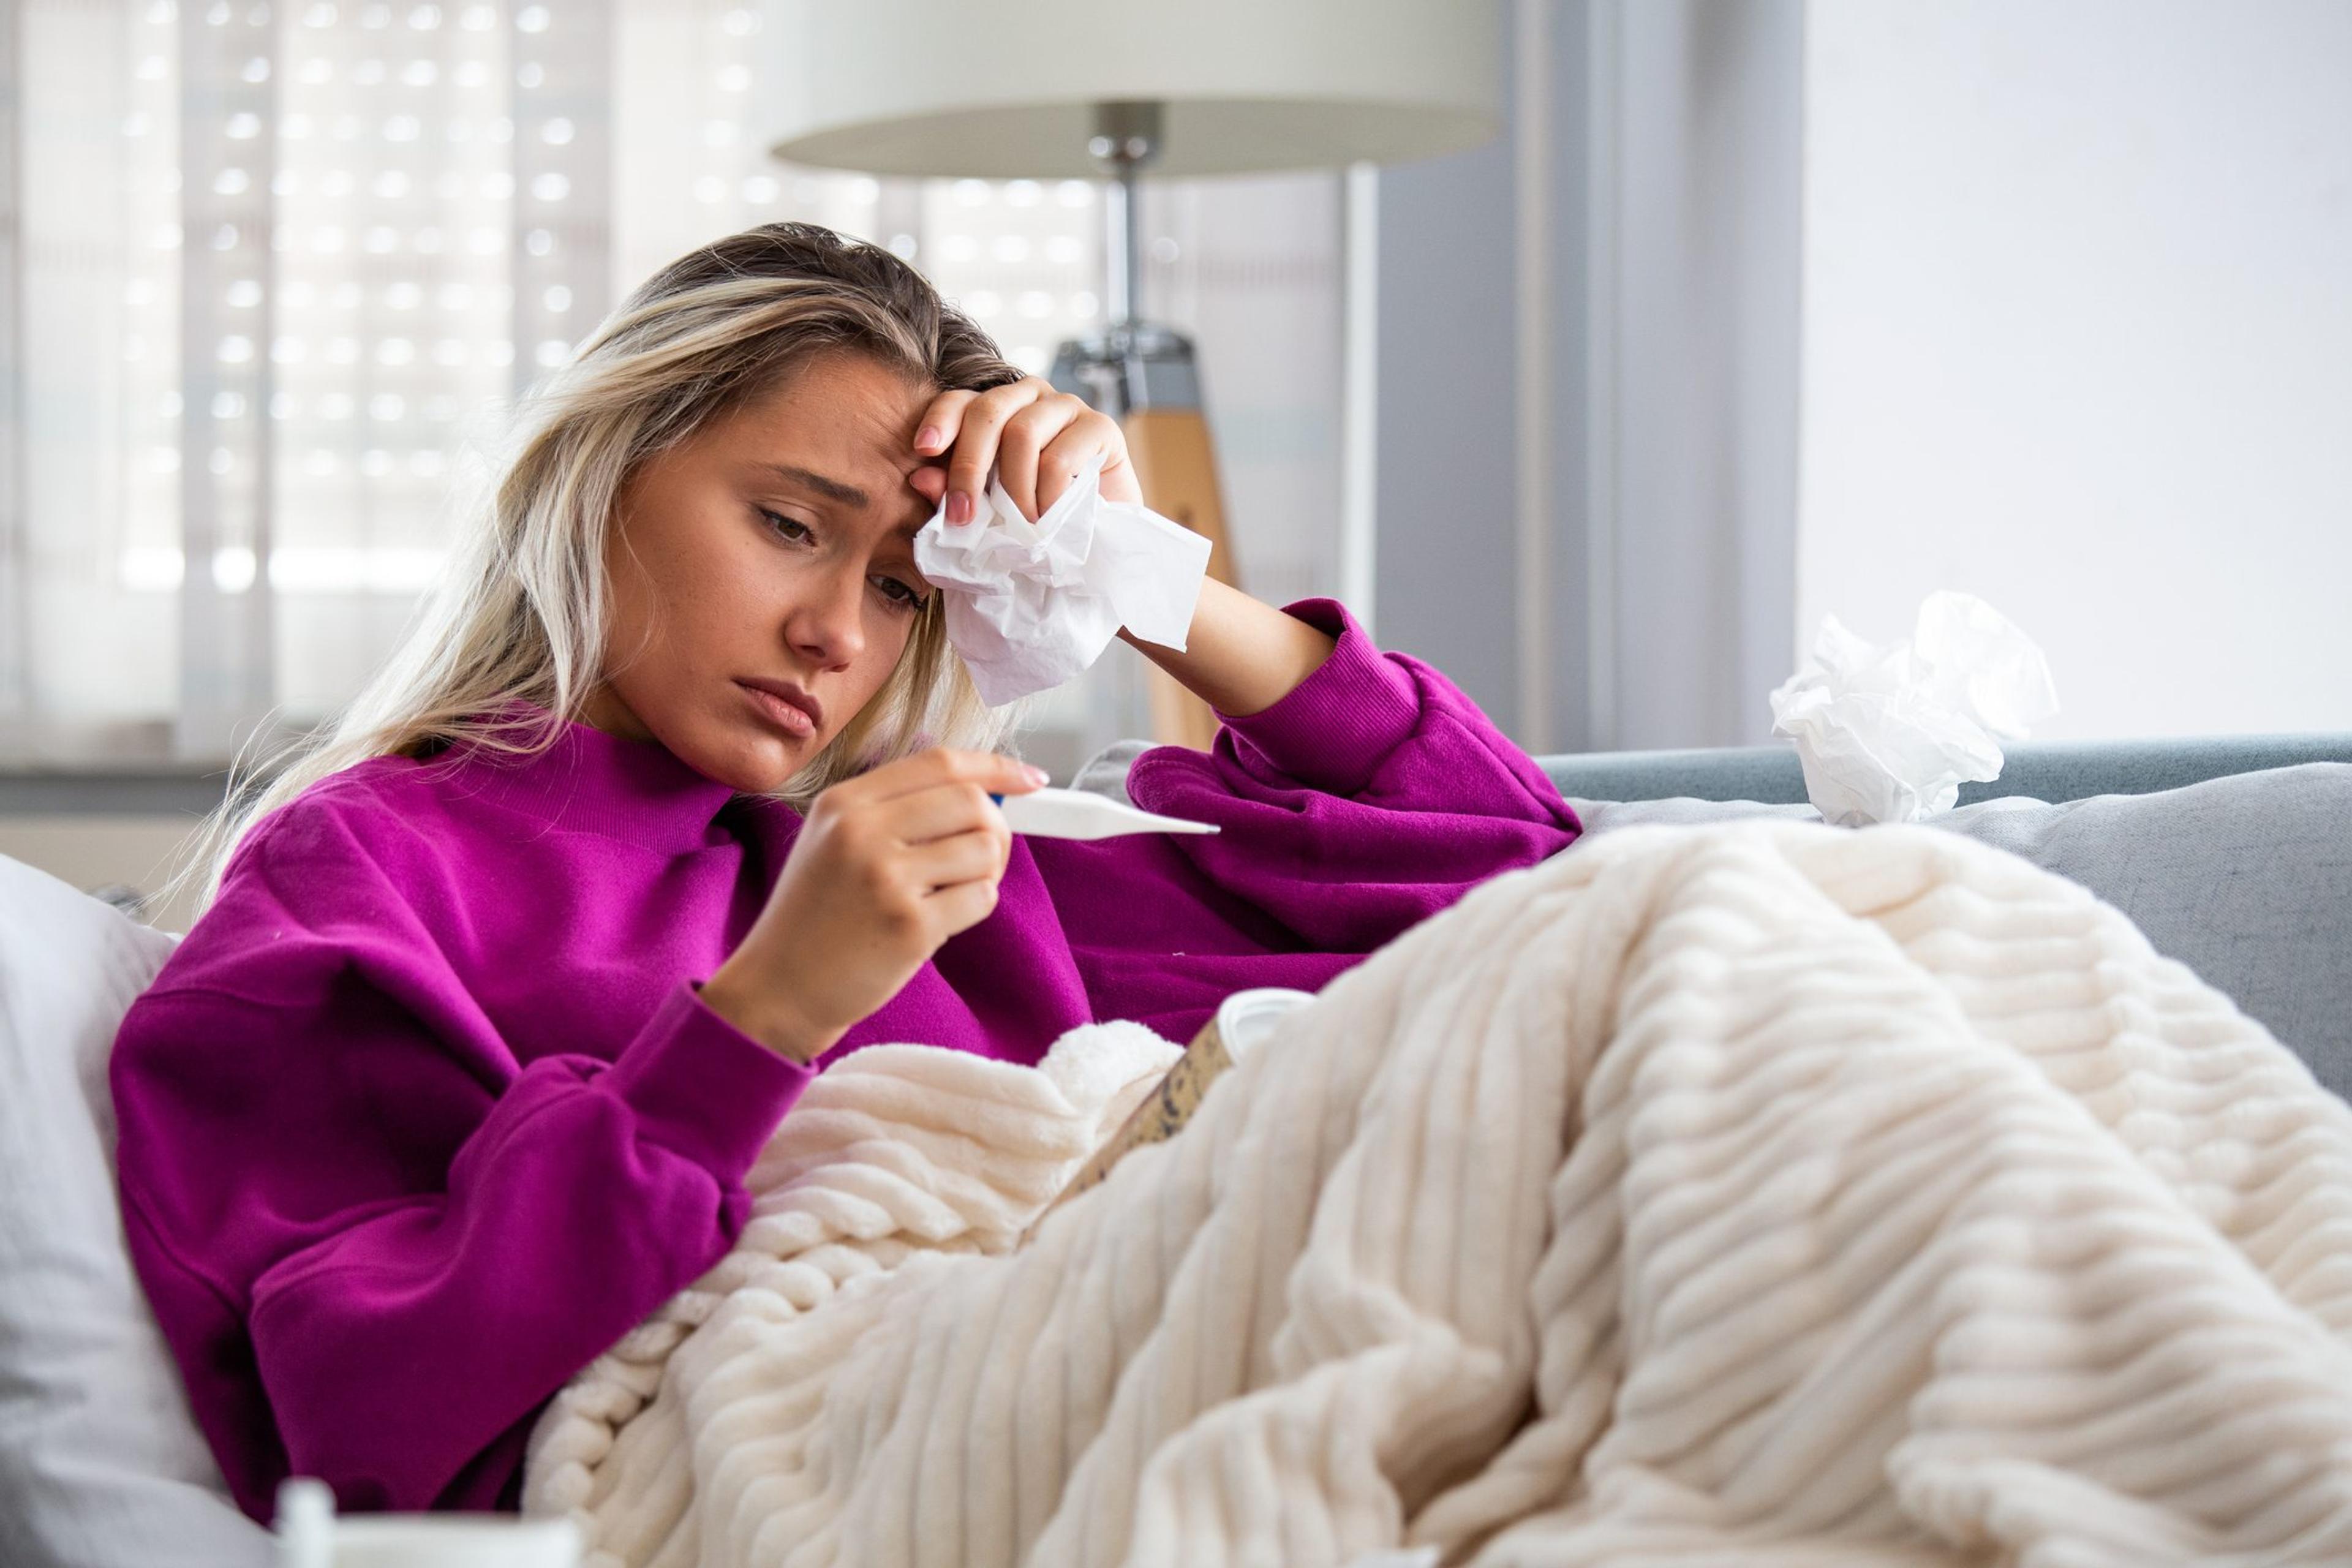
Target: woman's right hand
[888,866]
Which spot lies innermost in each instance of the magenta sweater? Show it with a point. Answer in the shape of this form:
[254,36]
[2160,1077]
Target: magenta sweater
[426,1113]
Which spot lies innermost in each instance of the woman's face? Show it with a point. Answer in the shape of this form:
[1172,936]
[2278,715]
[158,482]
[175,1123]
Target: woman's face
[770,554]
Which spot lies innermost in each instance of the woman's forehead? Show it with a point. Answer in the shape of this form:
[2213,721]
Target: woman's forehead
[857,428]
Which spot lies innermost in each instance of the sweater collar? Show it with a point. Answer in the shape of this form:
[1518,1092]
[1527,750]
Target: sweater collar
[591,782]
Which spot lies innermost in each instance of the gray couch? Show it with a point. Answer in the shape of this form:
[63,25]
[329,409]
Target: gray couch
[2234,854]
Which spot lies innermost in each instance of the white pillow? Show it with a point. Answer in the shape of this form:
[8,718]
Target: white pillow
[100,1462]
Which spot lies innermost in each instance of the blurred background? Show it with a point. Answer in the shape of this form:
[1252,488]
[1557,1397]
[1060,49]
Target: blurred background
[1715,316]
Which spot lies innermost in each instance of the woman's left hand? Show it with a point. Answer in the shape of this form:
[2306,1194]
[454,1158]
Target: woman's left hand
[1036,439]
[1240,656]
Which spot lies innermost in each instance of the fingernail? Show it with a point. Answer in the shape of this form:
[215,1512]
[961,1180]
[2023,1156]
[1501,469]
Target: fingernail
[958,507]
[927,437]
[1036,776]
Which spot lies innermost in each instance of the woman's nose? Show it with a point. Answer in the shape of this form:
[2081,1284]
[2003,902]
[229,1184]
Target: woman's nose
[829,625]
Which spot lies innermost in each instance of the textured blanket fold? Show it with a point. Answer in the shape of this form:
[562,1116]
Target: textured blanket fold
[1765,1193]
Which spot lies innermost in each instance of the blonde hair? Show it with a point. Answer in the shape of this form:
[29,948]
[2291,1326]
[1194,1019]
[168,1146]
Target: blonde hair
[520,614]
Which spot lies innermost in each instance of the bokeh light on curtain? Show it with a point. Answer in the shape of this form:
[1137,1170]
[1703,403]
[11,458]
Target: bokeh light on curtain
[279,271]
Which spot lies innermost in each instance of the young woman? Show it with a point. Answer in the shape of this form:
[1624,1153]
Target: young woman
[679,795]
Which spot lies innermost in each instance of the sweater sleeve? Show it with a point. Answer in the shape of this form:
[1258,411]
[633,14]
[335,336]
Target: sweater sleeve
[376,1244]
[1373,794]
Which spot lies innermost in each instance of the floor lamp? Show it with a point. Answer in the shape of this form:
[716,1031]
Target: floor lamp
[1106,89]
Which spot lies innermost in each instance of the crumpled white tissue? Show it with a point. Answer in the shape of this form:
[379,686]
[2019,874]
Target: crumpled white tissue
[1030,604]
[1887,734]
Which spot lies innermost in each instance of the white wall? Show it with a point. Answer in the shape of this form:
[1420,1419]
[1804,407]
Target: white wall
[2077,337]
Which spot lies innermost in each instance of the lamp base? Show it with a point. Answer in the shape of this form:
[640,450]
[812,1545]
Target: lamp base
[1132,365]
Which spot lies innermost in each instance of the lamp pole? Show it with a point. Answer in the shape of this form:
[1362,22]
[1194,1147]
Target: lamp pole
[1131,365]
[1126,138]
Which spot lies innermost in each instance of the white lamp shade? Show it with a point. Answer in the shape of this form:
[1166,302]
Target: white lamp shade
[1007,89]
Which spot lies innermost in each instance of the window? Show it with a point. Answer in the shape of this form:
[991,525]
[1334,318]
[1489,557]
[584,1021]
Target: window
[280,269]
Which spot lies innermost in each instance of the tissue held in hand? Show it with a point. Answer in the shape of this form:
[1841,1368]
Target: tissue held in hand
[1029,604]
[1886,734]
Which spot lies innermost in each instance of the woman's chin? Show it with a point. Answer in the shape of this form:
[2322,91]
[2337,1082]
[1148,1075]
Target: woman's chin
[756,763]
[746,761]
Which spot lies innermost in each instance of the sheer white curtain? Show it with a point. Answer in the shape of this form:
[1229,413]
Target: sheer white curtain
[276,272]
[279,268]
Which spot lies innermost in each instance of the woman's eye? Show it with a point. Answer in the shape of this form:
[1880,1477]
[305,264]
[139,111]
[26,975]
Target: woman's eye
[784,526]
[791,530]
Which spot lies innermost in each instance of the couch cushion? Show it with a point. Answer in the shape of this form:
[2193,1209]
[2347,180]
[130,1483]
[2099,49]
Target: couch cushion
[101,1464]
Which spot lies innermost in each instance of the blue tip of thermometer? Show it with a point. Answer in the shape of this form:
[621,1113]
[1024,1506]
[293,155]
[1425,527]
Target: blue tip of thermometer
[1082,814]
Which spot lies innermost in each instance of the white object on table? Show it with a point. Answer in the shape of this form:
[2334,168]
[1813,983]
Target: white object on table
[1082,814]
[310,1536]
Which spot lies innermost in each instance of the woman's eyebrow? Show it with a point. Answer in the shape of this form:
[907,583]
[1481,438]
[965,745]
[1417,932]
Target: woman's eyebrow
[831,489]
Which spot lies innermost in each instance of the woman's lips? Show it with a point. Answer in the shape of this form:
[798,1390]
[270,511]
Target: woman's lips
[781,713]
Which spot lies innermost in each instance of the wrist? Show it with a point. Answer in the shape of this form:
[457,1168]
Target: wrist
[1242,655]
[769,1020]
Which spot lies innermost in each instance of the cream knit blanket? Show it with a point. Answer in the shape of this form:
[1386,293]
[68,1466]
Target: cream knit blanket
[1766,1193]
